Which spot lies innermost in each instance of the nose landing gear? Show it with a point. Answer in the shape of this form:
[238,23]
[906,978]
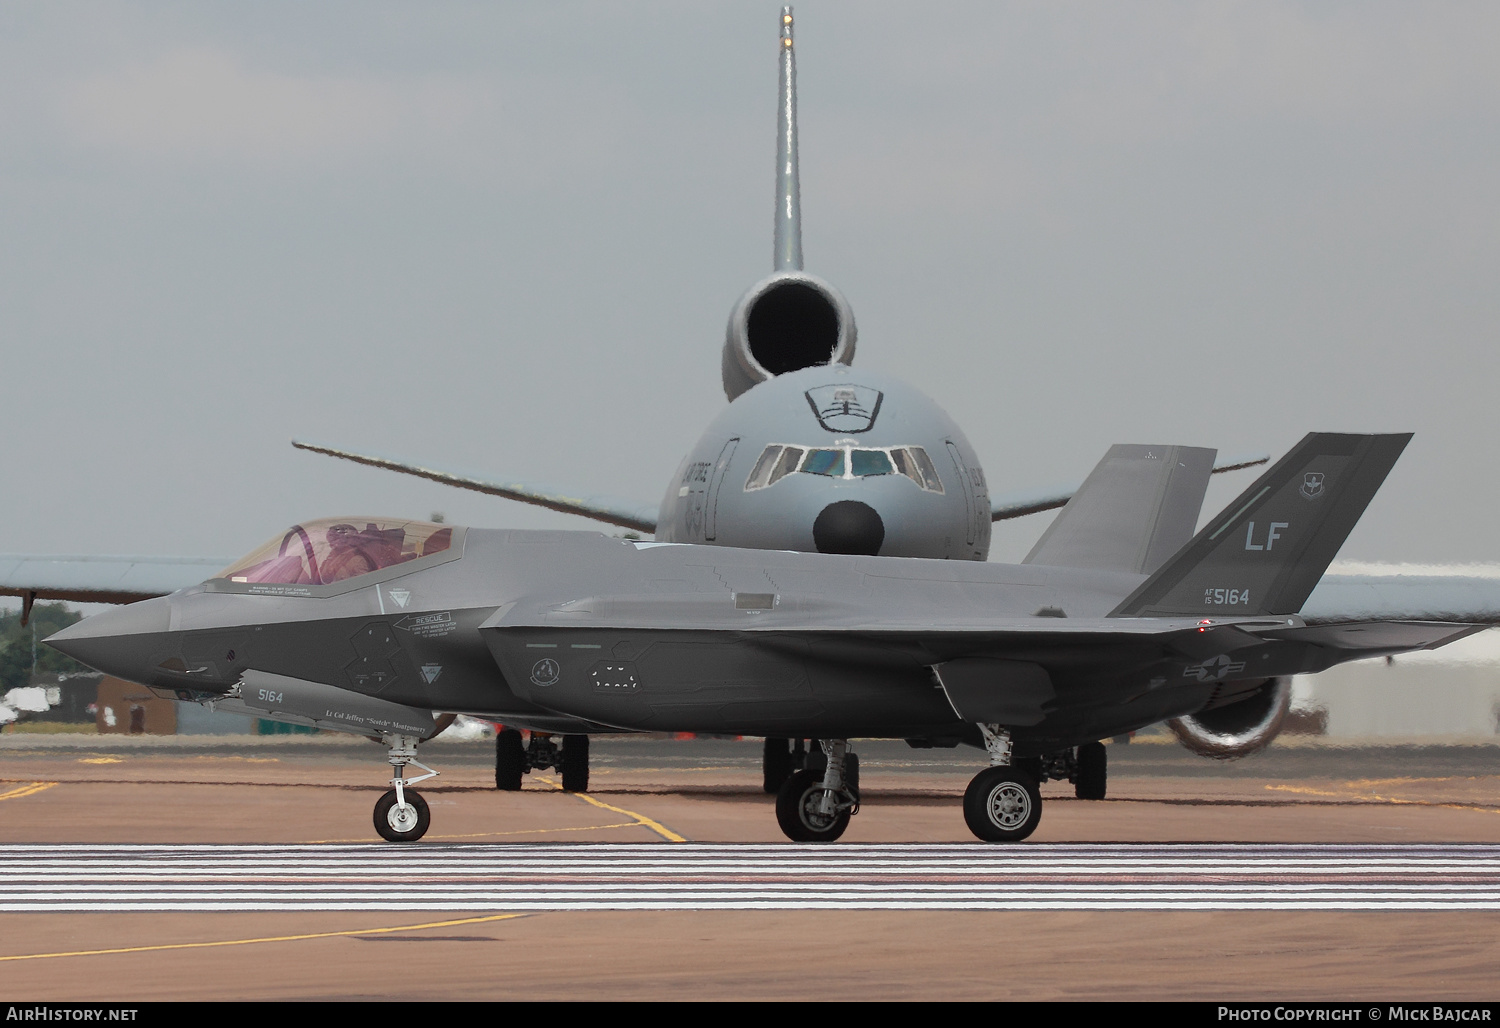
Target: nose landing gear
[401,815]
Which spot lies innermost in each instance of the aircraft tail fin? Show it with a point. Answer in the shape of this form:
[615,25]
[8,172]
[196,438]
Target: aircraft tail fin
[788,256]
[1137,508]
[1267,550]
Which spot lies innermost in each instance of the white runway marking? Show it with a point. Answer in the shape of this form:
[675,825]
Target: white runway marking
[717,877]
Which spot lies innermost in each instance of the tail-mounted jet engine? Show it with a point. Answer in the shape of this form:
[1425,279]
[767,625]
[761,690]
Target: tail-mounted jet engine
[787,322]
[1243,725]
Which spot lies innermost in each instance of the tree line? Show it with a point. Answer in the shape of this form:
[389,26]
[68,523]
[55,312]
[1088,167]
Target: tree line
[16,666]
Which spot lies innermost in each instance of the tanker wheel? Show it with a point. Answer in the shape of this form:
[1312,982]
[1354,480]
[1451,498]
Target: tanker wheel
[776,765]
[1093,773]
[510,760]
[575,763]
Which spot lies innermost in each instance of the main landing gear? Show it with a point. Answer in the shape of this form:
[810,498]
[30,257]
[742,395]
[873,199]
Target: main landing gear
[1003,803]
[401,815]
[815,805]
[514,759]
[783,757]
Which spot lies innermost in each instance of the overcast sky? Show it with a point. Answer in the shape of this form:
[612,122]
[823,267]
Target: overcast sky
[506,238]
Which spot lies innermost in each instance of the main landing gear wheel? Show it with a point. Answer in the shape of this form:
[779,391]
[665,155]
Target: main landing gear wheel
[1002,804]
[798,809]
[575,763]
[1093,774]
[510,760]
[402,822]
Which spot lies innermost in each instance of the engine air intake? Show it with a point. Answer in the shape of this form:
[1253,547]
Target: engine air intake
[785,323]
[792,326]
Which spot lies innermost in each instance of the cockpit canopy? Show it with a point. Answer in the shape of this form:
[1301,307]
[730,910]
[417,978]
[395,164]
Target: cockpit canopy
[843,461]
[334,549]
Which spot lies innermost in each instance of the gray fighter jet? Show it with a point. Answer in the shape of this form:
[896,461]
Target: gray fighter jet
[809,455]
[1120,621]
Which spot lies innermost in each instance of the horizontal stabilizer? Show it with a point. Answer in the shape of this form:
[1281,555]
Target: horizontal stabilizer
[1268,549]
[1137,508]
[1020,504]
[607,509]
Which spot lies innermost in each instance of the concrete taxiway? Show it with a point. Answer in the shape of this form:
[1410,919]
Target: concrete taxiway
[193,867]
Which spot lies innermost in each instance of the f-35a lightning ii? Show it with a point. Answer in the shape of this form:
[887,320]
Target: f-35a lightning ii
[370,628]
[809,455]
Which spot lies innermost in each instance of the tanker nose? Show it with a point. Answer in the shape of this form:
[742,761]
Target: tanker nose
[849,526]
[120,641]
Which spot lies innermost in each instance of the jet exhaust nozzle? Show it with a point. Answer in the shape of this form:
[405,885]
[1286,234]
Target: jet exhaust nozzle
[1239,728]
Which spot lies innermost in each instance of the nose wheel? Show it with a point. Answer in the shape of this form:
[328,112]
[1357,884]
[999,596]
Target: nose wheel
[402,822]
[401,815]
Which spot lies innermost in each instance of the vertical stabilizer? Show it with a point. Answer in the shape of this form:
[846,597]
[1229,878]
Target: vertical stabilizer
[1137,508]
[1267,550]
[788,255]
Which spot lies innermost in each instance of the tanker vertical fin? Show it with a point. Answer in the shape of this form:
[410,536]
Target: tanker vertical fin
[788,255]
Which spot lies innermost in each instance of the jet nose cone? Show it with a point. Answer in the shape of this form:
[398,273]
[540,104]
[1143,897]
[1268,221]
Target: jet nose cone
[849,526]
[117,641]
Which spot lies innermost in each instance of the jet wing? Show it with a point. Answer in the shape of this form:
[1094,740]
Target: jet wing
[101,579]
[1020,504]
[608,509]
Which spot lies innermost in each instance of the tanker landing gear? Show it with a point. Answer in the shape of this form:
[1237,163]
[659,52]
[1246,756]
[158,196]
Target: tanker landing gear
[401,815]
[815,805]
[513,759]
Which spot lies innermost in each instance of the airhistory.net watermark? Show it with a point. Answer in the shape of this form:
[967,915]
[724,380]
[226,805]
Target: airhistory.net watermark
[52,1012]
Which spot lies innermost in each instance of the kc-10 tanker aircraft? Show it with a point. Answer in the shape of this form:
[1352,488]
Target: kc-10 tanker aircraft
[371,628]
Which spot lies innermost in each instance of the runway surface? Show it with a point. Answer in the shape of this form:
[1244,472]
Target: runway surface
[478,877]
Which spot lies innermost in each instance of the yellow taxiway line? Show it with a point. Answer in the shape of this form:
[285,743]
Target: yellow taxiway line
[1376,797]
[640,819]
[268,938]
[26,789]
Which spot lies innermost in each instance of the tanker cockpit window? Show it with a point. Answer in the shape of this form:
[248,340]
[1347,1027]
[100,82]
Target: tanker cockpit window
[334,549]
[779,460]
[824,462]
[791,456]
[869,462]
